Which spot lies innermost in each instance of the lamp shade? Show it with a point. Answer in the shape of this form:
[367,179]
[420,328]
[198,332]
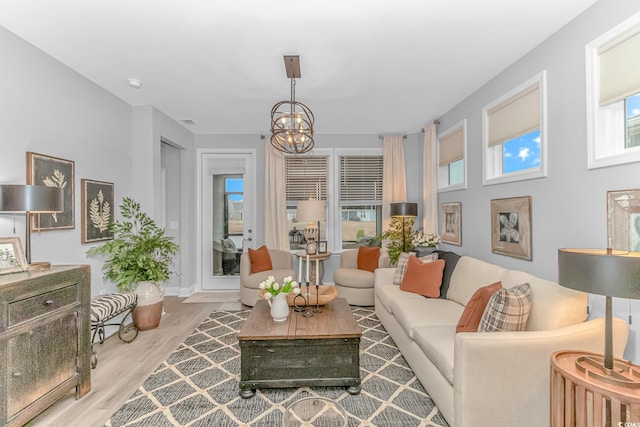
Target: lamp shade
[403,209]
[311,211]
[602,272]
[31,198]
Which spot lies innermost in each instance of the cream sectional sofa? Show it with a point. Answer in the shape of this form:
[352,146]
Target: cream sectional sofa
[488,378]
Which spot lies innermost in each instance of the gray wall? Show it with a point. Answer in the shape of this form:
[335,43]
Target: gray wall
[569,205]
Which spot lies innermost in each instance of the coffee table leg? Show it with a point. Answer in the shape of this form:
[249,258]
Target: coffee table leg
[354,389]
[247,393]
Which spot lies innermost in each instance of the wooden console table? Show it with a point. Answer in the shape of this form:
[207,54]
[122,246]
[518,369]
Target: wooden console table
[578,399]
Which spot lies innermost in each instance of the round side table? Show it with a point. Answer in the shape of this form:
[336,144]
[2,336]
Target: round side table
[317,258]
[315,411]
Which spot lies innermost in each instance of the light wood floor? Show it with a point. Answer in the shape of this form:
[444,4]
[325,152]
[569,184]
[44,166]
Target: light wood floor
[123,367]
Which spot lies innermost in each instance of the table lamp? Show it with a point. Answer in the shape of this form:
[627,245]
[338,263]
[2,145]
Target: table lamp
[312,212]
[404,210]
[611,273]
[30,199]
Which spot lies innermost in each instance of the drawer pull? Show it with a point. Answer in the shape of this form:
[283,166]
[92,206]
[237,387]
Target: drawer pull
[270,350]
[17,374]
[48,302]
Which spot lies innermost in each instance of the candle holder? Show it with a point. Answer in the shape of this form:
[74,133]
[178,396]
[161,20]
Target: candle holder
[317,309]
[296,307]
[307,312]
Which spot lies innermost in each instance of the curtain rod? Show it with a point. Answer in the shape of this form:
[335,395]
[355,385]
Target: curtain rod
[382,136]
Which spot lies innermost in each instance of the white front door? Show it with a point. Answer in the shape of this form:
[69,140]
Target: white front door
[226,182]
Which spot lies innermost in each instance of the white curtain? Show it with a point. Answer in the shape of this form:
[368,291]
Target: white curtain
[276,233]
[430,183]
[394,176]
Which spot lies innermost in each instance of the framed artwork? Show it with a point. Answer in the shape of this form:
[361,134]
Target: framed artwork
[511,227]
[12,259]
[623,220]
[322,246]
[97,210]
[451,223]
[52,172]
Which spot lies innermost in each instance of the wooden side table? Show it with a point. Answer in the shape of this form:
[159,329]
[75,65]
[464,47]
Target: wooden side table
[578,399]
[316,264]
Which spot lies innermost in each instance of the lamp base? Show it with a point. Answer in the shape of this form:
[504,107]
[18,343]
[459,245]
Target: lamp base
[623,374]
[311,247]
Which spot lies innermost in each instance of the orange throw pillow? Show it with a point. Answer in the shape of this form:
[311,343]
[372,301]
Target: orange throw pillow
[472,314]
[260,259]
[368,258]
[424,278]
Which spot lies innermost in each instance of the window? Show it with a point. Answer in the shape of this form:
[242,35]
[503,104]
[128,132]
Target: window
[514,134]
[306,177]
[451,153]
[613,96]
[360,199]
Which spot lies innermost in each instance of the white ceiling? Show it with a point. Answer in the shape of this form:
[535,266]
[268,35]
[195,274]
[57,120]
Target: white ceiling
[375,66]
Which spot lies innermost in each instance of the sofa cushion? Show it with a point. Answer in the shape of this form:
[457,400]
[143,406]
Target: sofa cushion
[253,281]
[353,278]
[450,261]
[553,306]
[368,258]
[387,293]
[438,343]
[423,278]
[471,274]
[401,265]
[473,311]
[508,310]
[421,311]
[260,259]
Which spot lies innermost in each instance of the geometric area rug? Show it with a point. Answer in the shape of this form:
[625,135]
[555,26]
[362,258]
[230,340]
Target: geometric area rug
[197,386]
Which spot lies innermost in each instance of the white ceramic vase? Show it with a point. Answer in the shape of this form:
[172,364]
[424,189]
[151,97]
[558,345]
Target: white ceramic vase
[279,307]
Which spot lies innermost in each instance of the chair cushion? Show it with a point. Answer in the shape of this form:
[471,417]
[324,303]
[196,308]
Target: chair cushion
[353,278]
[474,309]
[401,265]
[105,306]
[508,310]
[423,278]
[368,258]
[260,259]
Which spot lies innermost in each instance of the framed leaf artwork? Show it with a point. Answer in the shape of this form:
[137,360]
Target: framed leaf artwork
[53,172]
[511,227]
[97,210]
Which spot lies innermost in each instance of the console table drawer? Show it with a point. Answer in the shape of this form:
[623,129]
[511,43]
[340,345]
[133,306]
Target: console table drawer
[29,308]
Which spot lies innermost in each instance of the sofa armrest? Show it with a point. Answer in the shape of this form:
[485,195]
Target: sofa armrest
[383,276]
[503,378]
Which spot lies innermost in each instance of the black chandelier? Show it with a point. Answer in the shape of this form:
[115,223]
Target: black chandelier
[291,121]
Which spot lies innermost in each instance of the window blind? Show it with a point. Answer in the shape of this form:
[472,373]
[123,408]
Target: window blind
[619,65]
[306,177]
[360,180]
[517,116]
[451,147]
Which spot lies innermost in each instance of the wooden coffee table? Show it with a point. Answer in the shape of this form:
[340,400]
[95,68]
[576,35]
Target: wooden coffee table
[323,350]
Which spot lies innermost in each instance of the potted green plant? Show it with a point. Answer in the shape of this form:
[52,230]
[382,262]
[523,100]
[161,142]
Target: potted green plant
[399,236]
[138,259]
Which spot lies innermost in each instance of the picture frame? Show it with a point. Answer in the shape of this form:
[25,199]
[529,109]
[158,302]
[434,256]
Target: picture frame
[12,258]
[451,223]
[53,172]
[322,246]
[511,227]
[623,220]
[97,200]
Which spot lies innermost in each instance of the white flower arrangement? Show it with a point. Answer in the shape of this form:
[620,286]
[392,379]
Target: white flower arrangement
[420,239]
[271,288]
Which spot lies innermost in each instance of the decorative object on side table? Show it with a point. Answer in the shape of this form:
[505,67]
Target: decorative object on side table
[276,296]
[322,247]
[424,243]
[53,172]
[31,199]
[623,220]
[511,227]
[12,258]
[400,229]
[97,210]
[139,257]
[451,225]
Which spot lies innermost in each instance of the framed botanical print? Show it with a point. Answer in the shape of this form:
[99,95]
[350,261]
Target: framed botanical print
[52,172]
[623,220]
[511,227]
[97,210]
[451,223]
